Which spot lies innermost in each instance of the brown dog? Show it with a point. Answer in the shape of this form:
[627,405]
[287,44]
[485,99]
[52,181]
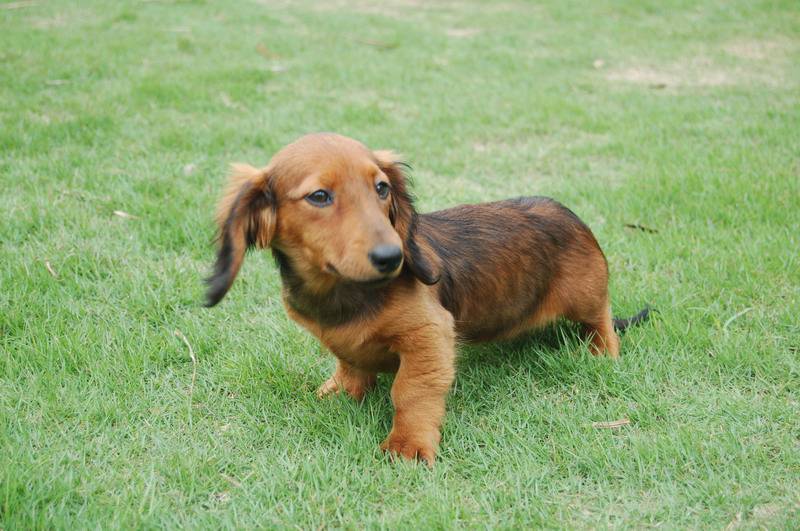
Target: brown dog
[390,290]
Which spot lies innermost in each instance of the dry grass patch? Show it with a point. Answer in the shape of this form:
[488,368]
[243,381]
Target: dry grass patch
[745,62]
[775,50]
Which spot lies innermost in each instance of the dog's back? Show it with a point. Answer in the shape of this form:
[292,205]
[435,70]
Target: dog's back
[503,262]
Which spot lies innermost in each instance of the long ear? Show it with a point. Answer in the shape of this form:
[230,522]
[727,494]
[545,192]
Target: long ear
[417,252]
[246,218]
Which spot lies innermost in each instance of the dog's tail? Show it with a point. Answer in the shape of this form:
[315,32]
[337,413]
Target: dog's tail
[620,325]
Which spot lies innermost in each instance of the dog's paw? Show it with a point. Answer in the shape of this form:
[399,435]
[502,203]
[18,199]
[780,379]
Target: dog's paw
[411,448]
[354,387]
[329,387]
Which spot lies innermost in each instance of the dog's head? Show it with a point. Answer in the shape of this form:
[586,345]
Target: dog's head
[337,211]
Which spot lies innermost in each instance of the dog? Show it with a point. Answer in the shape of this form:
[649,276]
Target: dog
[386,289]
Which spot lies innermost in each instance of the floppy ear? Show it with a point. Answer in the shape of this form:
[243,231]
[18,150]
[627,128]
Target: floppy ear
[421,260]
[246,218]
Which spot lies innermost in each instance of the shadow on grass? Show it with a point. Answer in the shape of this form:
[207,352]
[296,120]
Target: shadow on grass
[550,357]
[550,340]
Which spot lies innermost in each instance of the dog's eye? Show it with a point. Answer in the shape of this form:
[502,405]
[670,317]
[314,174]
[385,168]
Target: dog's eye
[320,198]
[383,189]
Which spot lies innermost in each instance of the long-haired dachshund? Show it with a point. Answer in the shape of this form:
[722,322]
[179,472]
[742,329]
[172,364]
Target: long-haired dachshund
[389,290]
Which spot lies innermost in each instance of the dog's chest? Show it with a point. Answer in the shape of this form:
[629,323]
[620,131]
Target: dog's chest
[355,343]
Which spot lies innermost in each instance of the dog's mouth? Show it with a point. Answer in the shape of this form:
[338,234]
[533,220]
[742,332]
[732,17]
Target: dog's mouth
[375,283]
[372,283]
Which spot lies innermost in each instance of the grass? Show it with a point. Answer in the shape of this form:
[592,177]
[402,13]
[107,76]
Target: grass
[679,116]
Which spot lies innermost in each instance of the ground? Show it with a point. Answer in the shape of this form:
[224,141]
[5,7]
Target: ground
[671,127]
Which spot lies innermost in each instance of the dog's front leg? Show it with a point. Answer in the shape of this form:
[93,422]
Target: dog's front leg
[427,359]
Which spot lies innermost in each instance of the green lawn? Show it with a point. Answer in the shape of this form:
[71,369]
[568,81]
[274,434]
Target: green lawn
[679,117]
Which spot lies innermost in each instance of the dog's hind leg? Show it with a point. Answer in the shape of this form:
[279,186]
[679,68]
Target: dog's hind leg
[599,329]
[349,379]
[582,290]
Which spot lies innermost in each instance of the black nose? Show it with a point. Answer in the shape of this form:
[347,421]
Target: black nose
[386,258]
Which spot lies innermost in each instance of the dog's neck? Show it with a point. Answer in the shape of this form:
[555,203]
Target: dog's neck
[344,302]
